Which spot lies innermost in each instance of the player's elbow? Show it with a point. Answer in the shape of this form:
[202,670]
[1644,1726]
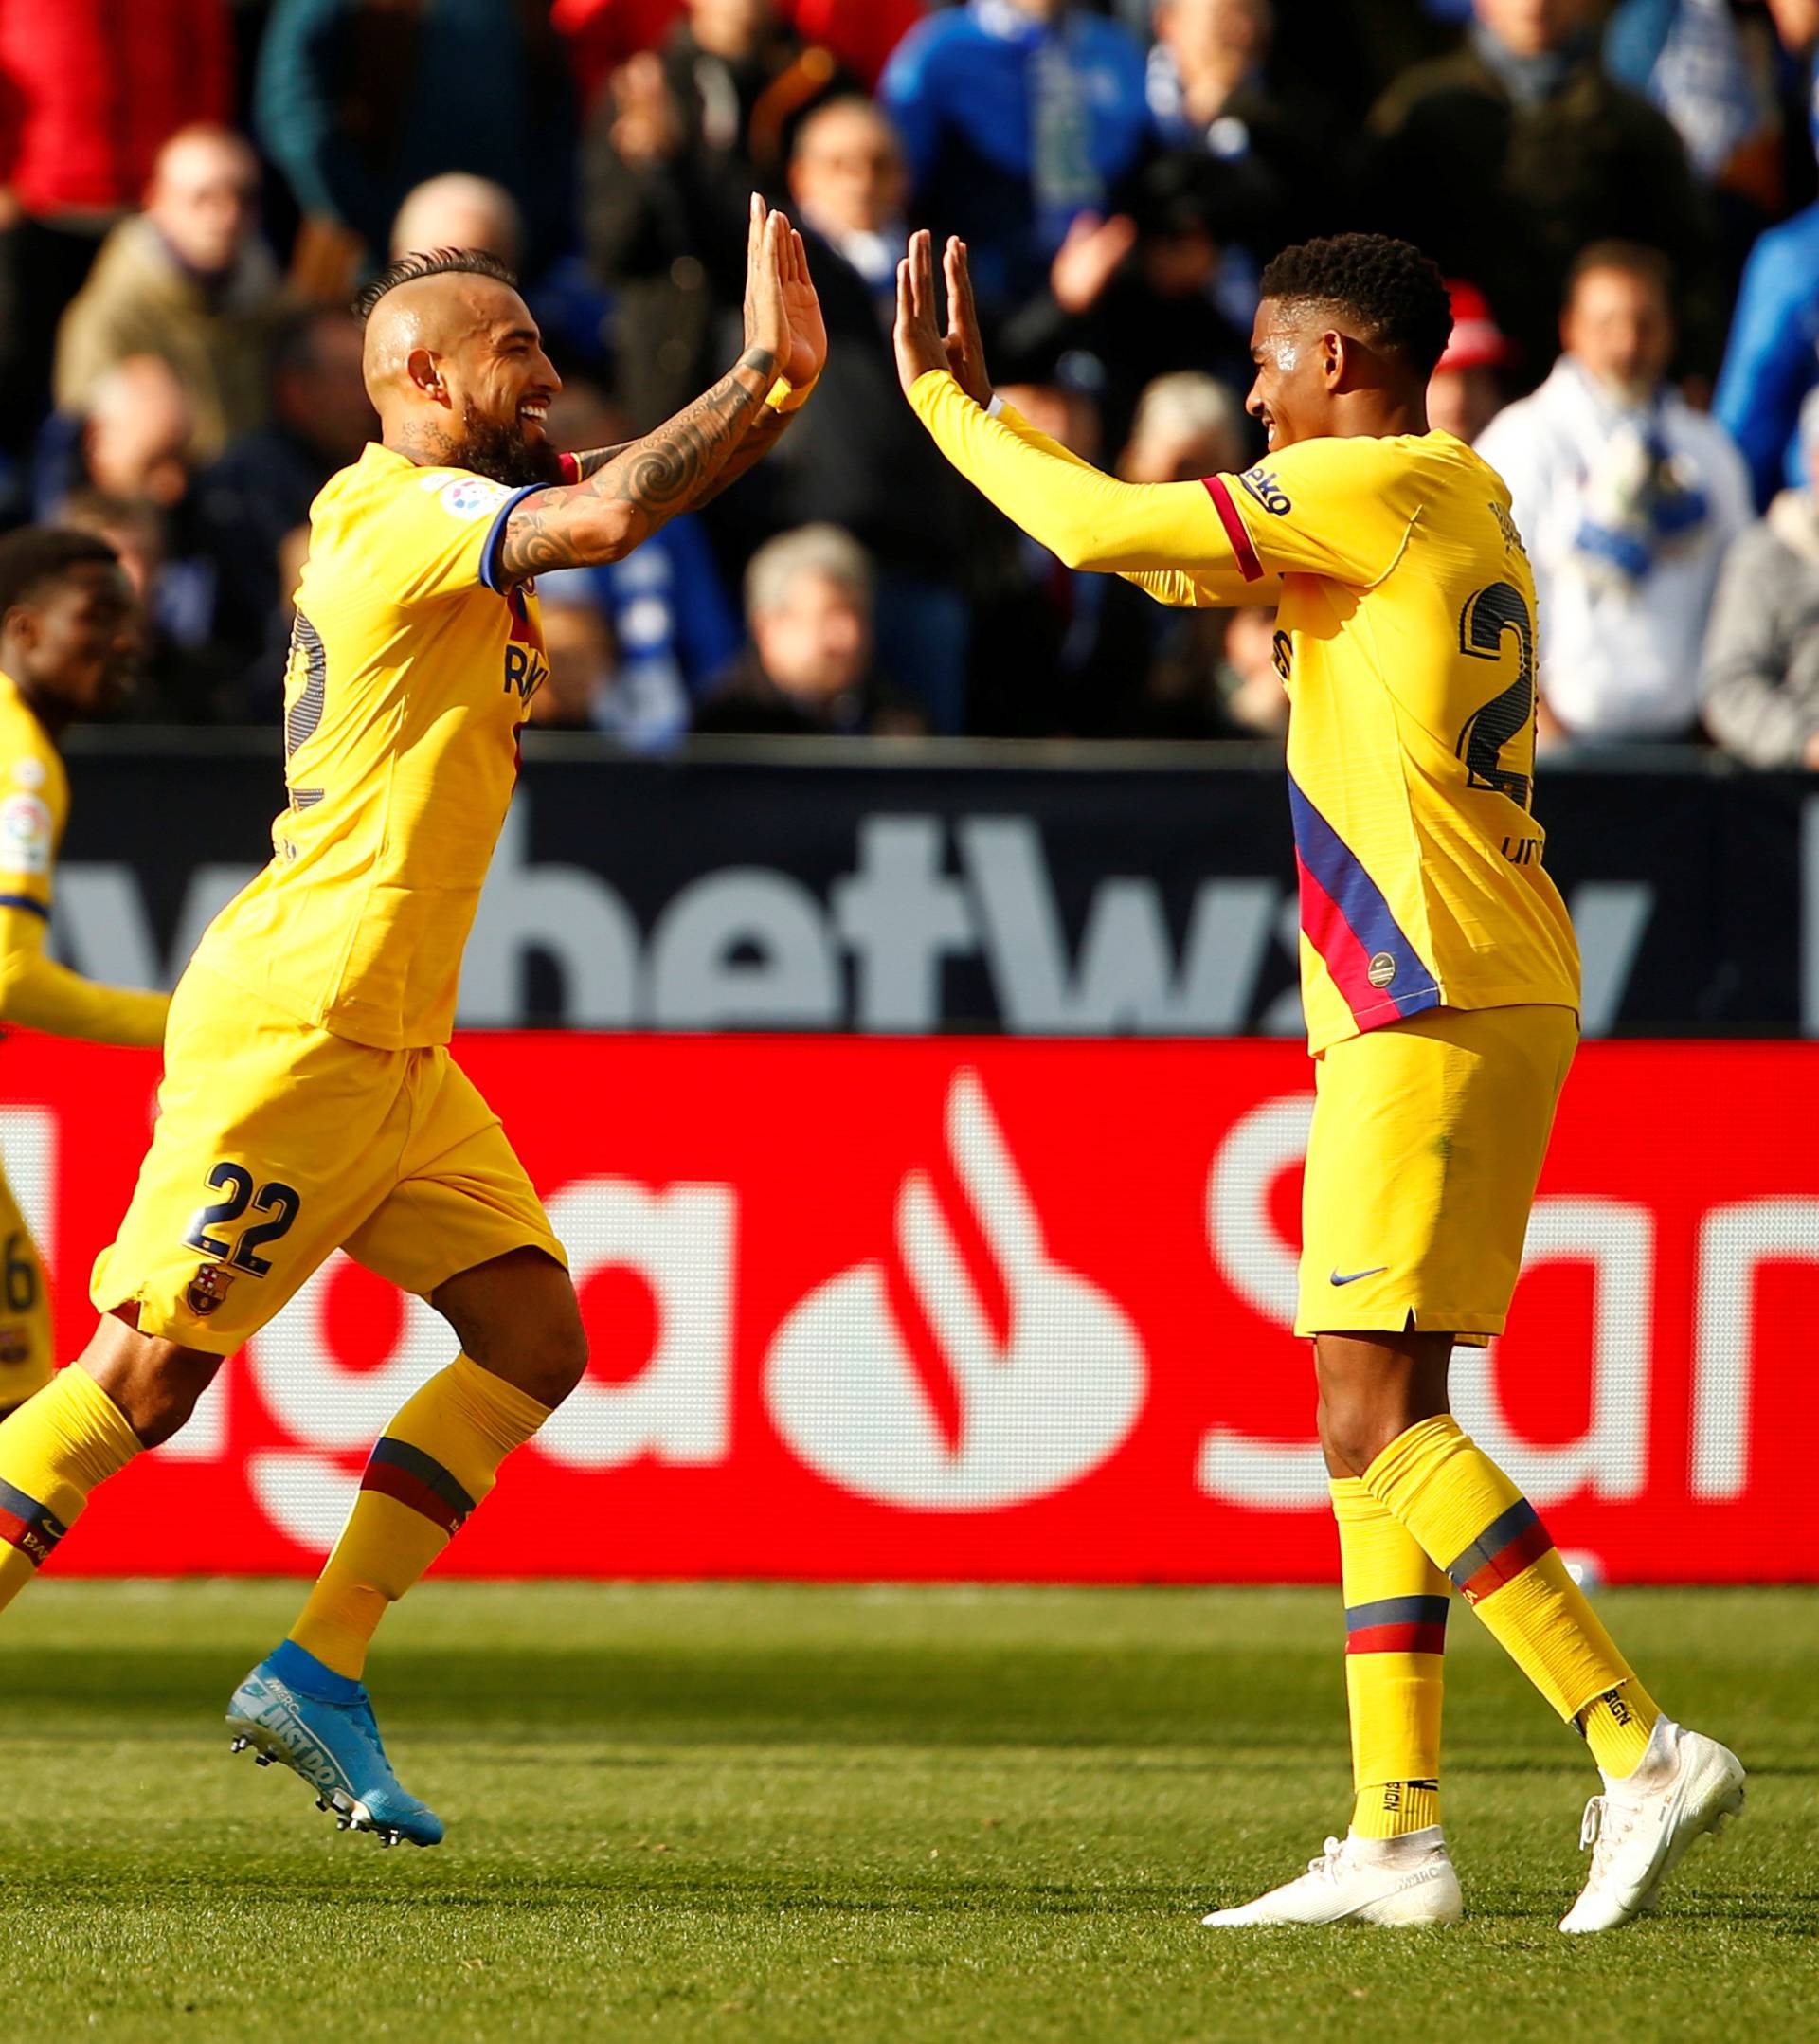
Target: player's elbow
[613,530]
[1099,546]
[1076,550]
[569,528]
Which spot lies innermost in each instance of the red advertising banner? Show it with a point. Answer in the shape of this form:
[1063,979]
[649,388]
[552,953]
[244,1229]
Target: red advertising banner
[994,1310]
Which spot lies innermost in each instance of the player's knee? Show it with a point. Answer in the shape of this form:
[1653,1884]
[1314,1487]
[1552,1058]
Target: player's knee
[518,1317]
[558,1362]
[1354,1430]
[157,1407]
[546,1351]
[155,1383]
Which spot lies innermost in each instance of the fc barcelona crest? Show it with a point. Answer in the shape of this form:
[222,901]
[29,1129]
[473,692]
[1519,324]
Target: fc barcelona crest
[206,1289]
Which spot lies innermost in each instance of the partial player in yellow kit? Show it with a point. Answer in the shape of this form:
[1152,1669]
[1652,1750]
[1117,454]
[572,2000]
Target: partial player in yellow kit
[1440,981]
[70,641]
[310,1101]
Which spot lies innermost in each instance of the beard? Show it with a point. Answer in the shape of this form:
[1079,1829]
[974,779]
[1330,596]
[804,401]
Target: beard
[505,453]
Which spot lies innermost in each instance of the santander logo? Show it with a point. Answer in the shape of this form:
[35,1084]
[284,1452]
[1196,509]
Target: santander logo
[920,1386]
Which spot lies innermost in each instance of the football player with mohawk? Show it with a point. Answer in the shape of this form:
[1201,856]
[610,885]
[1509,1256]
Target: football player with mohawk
[310,1102]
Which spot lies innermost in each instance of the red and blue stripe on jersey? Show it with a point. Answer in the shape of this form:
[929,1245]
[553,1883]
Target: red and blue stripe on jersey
[1349,924]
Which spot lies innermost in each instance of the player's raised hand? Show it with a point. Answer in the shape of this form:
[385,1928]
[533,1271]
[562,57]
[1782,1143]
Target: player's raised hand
[808,331]
[766,315]
[917,333]
[964,344]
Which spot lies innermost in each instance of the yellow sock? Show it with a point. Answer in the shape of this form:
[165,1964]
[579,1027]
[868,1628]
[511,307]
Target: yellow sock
[1617,1726]
[1484,1532]
[434,1464]
[1395,1637]
[54,1450]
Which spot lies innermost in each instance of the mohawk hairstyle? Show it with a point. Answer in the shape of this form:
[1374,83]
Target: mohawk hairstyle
[36,555]
[405,269]
[1396,295]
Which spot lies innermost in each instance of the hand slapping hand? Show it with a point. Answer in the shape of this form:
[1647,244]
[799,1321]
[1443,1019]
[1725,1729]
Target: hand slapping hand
[920,343]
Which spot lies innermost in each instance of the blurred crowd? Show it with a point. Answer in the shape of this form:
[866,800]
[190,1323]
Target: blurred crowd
[1623,194]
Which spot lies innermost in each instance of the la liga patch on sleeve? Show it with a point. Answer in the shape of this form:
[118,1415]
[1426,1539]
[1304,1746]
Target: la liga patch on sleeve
[26,832]
[472,496]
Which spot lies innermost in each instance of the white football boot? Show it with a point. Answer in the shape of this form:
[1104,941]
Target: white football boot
[1639,1829]
[1401,1881]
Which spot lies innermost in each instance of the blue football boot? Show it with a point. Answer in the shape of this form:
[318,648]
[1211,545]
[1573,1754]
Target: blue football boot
[320,1725]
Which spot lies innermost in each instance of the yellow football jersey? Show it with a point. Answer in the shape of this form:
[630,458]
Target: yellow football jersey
[1406,635]
[410,672]
[35,990]
[34,804]
[1406,640]
[39,993]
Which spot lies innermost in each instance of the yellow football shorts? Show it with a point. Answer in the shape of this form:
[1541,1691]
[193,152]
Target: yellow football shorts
[278,1144]
[1426,1147]
[25,1359]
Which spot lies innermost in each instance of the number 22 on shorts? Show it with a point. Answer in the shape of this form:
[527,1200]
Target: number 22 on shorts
[276,1198]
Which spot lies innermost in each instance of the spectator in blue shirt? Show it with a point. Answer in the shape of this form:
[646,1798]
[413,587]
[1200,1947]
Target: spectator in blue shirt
[1772,359]
[666,625]
[1018,116]
[671,625]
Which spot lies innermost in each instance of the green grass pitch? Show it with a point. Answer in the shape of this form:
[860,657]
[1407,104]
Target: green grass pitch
[789,1814]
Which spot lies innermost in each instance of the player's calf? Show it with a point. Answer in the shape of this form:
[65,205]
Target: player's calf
[435,1462]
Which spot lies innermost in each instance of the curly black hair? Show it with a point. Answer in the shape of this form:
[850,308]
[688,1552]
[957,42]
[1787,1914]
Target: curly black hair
[1394,293]
[406,269]
[35,556]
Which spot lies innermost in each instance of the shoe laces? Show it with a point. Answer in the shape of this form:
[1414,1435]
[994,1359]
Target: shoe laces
[1605,1827]
[1326,1866]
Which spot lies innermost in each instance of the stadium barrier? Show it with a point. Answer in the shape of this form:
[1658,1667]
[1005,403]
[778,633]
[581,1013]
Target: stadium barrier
[1022,890]
[979,1309]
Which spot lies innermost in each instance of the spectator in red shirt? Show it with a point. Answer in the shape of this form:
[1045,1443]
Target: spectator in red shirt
[861,34]
[604,33]
[89,92]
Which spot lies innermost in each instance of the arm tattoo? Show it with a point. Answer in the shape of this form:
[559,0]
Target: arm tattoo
[760,439]
[653,478]
[596,459]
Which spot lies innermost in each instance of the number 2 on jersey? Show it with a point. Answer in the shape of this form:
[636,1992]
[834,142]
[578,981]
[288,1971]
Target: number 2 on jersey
[1489,613]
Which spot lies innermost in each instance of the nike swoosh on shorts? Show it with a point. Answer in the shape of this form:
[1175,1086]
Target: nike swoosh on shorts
[1353,1278]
